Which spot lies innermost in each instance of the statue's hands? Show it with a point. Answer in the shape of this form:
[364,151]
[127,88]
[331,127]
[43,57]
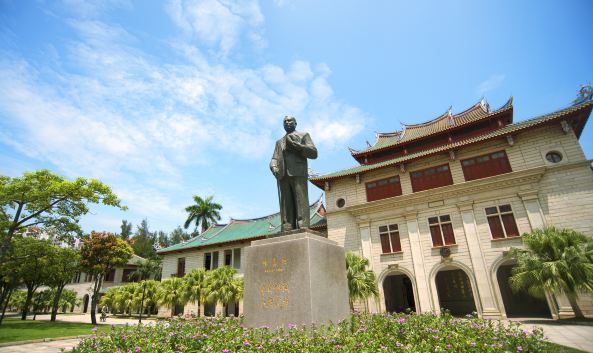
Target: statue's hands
[275,171]
[294,142]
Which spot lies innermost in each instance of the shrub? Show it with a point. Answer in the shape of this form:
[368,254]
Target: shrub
[362,333]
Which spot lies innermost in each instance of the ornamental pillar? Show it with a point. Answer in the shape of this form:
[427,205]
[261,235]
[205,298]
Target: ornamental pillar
[364,228]
[424,303]
[530,199]
[484,288]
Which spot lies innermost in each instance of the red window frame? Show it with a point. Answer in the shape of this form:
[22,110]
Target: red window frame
[383,188]
[486,165]
[502,222]
[390,241]
[431,178]
[441,230]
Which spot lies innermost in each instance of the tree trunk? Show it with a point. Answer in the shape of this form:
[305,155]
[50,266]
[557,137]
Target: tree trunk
[199,307]
[36,307]
[6,300]
[572,299]
[54,308]
[30,292]
[94,298]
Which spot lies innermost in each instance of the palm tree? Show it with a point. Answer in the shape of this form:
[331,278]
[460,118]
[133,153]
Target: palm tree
[196,286]
[223,287]
[361,282]
[144,270]
[124,297]
[110,298]
[204,212]
[555,260]
[171,293]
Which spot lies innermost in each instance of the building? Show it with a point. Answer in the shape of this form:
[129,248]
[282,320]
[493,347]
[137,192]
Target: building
[222,245]
[82,283]
[435,206]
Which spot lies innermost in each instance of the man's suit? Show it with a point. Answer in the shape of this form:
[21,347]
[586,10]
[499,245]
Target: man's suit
[292,177]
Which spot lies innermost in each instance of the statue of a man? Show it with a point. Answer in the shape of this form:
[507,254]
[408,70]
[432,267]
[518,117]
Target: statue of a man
[289,166]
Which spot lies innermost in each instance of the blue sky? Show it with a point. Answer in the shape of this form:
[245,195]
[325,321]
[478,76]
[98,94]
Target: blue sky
[164,100]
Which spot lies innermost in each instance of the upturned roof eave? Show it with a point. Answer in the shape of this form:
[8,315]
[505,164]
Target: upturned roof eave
[509,129]
[359,154]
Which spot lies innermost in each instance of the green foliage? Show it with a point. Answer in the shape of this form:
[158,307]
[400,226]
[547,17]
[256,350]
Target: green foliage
[178,235]
[16,330]
[143,241]
[363,333]
[203,212]
[126,230]
[361,282]
[196,286]
[223,287]
[63,266]
[555,260]
[172,292]
[46,199]
[100,253]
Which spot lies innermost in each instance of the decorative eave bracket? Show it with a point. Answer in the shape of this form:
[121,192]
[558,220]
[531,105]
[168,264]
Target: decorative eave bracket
[510,140]
[566,128]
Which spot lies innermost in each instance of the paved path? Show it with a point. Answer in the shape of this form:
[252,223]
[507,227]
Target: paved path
[566,333]
[86,318]
[41,347]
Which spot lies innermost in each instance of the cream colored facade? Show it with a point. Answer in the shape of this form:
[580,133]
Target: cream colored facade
[539,192]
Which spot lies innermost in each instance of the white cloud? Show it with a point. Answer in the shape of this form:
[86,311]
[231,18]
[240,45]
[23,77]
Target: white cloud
[218,23]
[127,119]
[492,83]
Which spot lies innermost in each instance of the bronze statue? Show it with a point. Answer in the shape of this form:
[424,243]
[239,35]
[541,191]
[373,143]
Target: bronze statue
[289,166]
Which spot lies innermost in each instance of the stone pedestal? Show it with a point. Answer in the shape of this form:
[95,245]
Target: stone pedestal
[295,279]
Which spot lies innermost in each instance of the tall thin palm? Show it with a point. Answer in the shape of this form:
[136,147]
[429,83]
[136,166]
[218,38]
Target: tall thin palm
[144,270]
[171,293]
[223,287]
[361,282]
[555,260]
[196,286]
[203,212]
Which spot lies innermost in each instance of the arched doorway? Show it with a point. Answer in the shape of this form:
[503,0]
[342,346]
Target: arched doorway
[209,309]
[519,304]
[85,303]
[455,292]
[399,293]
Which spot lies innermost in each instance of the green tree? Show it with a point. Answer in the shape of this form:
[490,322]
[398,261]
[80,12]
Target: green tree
[100,253]
[109,298]
[146,296]
[178,235]
[196,283]
[43,198]
[126,230]
[143,241]
[223,287]
[554,260]
[361,282]
[63,266]
[124,297]
[172,293]
[203,211]
[33,258]
[163,239]
[68,300]
[144,270]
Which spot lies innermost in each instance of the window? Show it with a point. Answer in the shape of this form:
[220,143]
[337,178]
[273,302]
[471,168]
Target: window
[211,260]
[110,276]
[228,257]
[237,258]
[128,275]
[384,188]
[431,178]
[554,157]
[441,230]
[485,166]
[389,236]
[502,222]
[181,267]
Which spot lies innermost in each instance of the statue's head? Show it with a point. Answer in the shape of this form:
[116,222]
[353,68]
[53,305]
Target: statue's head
[289,124]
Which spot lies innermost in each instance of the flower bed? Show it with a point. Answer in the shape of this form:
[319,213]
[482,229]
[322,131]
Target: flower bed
[362,333]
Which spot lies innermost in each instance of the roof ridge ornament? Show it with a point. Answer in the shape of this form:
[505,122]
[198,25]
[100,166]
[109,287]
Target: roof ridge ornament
[585,94]
[484,104]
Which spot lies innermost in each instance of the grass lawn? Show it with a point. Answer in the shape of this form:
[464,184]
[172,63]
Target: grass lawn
[13,330]
[565,349]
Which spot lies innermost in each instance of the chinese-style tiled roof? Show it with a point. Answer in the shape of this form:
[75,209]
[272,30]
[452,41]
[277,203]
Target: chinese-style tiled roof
[509,129]
[245,229]
[446,121]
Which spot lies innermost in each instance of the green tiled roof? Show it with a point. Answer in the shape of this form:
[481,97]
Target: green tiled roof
[497,133]
[444,122]
[237,230]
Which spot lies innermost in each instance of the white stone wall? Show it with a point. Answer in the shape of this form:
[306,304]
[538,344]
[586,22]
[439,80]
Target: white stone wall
[539,193]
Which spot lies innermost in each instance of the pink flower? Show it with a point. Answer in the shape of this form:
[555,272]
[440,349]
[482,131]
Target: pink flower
[137,349]
[519,348]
